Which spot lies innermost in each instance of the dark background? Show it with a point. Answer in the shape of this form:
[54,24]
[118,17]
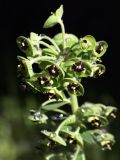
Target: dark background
[99,18]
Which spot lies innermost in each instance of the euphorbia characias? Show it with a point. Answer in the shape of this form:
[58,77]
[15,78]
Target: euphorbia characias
[62,63]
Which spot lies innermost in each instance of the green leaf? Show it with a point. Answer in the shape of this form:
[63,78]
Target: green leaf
[87,137]
[54,105]
[50,22]
[70,39]
[55,137]
[92,108]
[54,18]
[59,12]
[35,40]
[34,37]
[69,120]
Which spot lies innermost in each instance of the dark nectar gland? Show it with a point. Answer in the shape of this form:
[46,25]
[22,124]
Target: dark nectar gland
[73,87]
[43,80]
[78,66]
[23,44]
[99,48]
[53,71]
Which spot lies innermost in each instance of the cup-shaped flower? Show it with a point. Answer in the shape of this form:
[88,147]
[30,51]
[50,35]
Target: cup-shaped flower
[103,138]
[97,70]
[101,48]
[25,45]
[25,67]
[73,86]
[87,43]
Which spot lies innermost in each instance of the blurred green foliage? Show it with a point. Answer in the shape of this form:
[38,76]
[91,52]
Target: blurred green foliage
[18,137]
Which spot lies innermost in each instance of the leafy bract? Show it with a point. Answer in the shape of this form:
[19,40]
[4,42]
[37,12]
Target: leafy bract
[55,137]
[54,18]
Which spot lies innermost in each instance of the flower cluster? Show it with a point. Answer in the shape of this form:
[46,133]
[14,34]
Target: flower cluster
[55,67]
[60,69]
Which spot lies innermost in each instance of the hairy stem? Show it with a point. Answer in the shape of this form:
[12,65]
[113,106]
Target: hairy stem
[63,32]
[48,46]
[42,58]
[52,41]
[74,103]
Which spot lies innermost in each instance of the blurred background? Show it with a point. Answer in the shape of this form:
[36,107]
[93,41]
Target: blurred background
[100,19]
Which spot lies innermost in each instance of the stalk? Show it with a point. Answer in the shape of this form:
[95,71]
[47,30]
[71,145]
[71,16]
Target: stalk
[42,58]
[48,46]
[74,103]
[52,41]
[63,33]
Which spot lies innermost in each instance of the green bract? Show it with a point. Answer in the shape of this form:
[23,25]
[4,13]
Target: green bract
[54,18]
[55,67]
[87,43]
[70,39]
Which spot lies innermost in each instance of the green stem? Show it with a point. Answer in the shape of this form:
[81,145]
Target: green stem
[79,153]
[42,58]
[60,111]
[52,41]
[74,103]
[75,156]
[48,157]
[47,102]
[48,46]
[82,156]
[63,32]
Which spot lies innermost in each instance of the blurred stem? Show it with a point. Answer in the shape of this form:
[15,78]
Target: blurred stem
[74,103]
[63,33]
[48,157]
[82,155]
[75,156]
[79,153]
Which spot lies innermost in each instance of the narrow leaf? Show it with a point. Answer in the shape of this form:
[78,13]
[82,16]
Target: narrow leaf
[55,137]
[54,105]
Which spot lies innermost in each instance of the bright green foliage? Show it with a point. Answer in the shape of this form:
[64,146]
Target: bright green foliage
[56,69]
